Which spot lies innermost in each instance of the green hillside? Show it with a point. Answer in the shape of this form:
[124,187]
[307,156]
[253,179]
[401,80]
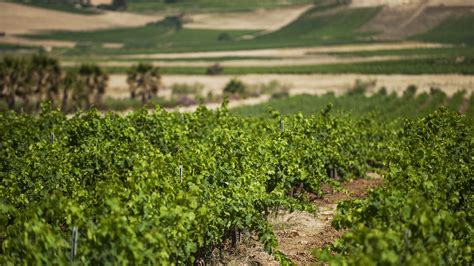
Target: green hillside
[151,6]
[456,29]
[148,6]
[59,5]
[313,28]
[148,37]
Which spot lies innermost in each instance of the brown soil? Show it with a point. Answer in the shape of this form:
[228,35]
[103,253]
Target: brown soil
[463,3]
[101,2]
[368,3]
[261,19]
[30,42]
[315,84]
[298,233]
[415,18]
[352,189]
[21,19]
[312,60]
[248,252]
[290,52]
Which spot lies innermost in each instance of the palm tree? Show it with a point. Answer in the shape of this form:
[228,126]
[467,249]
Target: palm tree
[144,81]
[13,82]
[45,77]
[94,83]
[68,87]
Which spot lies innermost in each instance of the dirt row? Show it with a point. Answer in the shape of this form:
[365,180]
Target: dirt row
[315,84]
[260,19]
[291,52]
[299,233]
[306,61]
[22,19]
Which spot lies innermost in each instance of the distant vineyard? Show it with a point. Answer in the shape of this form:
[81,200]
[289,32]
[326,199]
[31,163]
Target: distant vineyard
[382,105]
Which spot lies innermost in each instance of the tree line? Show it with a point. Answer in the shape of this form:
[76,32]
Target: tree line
[26,82]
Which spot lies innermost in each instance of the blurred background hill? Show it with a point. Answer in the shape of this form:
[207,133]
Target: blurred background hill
[255,41]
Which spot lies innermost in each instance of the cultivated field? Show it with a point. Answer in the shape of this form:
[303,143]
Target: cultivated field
[311,84]
[260,19]
[196,132]
[22,19]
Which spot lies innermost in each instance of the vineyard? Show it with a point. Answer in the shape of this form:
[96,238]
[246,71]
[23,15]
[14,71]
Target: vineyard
[424,213]
[381,105]
[177,188]
[323,119]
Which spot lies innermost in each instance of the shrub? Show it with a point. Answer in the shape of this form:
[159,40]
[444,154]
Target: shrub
[235,86]
[173,21]
[121,104]
[360,87]
[215,69]
[187,89]
[224,37]
[272,87]
[280,95]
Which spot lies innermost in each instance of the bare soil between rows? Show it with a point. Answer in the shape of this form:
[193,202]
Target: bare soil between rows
[299,233]
[314,84]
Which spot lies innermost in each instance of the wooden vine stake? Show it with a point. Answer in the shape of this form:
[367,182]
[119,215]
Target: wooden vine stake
[333,172]
[75,235]
[51,138]
[180,172]
[406,237]
[282,126]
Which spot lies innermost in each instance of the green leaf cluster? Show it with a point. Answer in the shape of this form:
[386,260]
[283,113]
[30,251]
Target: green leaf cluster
[423,215]
[163,188]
